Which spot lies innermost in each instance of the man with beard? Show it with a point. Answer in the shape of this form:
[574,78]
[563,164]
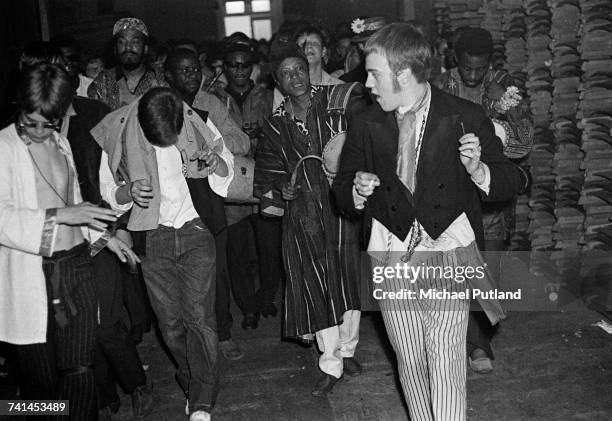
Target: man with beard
[249,105]
[184,74]
[122,84]
[117,87]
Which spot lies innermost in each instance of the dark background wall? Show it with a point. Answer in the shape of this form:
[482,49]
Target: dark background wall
[331,12]
[91,20]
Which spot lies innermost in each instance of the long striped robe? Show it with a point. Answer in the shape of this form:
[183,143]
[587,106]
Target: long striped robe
[321,250]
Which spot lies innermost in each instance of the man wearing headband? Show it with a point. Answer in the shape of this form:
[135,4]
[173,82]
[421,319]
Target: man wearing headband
[320,248]
[122,84]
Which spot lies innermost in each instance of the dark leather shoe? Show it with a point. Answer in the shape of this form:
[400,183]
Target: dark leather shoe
[325,384]
[250,321]
[142,401]
[269,310]
[351,367]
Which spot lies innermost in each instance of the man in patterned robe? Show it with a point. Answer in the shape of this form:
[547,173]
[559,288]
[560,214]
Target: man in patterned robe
[320,248]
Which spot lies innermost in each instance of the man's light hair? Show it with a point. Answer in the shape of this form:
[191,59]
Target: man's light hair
[405,47]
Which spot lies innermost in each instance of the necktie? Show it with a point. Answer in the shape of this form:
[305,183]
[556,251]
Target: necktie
[407,143]
[407,161]
[406,150]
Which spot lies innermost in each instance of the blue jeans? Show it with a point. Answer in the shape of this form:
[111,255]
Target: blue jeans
[179,271]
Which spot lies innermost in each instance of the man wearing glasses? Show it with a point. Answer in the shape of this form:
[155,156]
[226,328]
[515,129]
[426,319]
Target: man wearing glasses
[184,74]
[249,105]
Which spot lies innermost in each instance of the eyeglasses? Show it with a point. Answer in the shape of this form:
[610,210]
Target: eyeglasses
[238,64]
[24,124]
[188,70]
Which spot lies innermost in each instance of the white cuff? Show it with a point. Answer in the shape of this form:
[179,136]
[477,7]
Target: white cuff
[111,198]
[358,199]
[485,185]
[220,184]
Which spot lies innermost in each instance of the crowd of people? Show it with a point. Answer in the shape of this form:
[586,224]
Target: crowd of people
[158,186]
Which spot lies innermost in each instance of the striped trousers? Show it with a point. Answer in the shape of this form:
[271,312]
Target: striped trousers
[61,368]
[429,340]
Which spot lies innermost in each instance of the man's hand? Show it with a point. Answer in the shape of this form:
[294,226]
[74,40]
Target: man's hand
[141,192]
[290,192]
[124,236]
[86,213]
[123,252]
[469,152]
[365,183]
[212,160]
[495,91]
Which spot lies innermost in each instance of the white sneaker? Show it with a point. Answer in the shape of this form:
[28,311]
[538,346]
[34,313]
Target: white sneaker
[199,416]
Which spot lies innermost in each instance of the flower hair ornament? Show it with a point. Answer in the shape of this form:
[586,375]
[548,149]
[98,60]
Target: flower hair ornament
[364,27]
[358,25]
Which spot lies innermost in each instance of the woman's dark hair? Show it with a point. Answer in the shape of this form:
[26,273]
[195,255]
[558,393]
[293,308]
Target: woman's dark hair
[160,114]
[45,88]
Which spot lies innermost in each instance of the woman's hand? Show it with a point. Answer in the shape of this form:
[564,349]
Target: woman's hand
[86,213]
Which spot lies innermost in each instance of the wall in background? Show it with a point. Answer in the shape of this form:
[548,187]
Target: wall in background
[331,12]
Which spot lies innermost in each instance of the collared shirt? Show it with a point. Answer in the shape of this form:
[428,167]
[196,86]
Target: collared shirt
[457,234]
[176,206]
[109,88]
[84,83]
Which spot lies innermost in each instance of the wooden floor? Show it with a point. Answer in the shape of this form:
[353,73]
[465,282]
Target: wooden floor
[550,365]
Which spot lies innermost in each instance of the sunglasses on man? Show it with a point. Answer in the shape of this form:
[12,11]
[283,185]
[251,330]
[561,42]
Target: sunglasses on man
[238,64]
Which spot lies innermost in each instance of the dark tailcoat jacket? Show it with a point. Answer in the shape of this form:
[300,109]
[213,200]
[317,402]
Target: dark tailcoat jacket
[444,189]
